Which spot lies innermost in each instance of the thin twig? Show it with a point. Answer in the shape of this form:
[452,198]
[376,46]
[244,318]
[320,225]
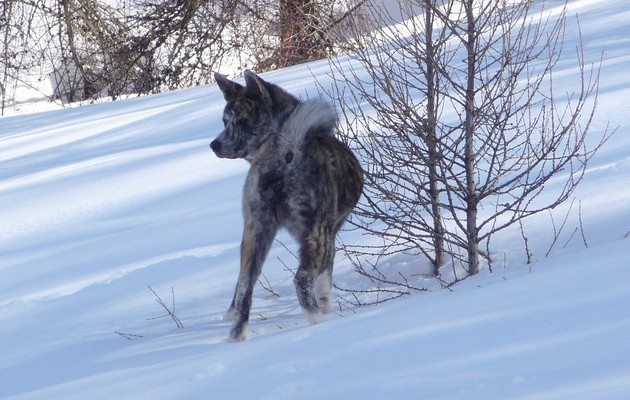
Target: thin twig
[581,224]
[287,249]
[291,270]
[526,241]
[170,312]
[570,237]
[128,336]
[558,231]
[286,267]
[267,286]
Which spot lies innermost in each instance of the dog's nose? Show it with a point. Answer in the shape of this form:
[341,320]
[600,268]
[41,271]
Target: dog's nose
[215,145]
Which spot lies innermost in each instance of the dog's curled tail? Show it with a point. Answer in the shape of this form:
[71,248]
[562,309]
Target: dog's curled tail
[311,117]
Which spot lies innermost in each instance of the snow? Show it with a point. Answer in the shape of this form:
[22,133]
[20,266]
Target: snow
[100,202]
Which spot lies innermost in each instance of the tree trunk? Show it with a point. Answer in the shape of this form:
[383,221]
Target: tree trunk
[471,198]
[432,141]
[302,35]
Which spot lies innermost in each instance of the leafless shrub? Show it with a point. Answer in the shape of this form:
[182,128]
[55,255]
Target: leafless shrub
[464,134]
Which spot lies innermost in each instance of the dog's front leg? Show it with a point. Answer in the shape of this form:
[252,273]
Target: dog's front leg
[257,239]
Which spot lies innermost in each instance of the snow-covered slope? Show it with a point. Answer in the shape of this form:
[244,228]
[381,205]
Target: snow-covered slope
[98,203]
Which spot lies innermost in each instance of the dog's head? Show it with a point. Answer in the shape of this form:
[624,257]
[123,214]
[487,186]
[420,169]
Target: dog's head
[253,113]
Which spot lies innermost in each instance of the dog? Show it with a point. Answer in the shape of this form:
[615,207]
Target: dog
[301,178]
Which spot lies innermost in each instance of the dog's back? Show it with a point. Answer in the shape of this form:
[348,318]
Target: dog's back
[319,167]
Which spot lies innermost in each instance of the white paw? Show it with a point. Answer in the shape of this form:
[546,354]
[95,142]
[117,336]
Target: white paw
[324,303]
[316,318]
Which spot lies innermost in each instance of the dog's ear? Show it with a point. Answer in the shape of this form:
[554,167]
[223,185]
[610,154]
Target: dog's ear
[256,87]
[229,88]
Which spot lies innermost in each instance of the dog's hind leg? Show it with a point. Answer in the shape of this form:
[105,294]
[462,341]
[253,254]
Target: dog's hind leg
[323,290]
[323,284]
[254,248]
[316,254]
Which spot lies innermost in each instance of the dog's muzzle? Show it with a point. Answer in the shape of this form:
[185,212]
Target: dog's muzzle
[222,151]
[215,145]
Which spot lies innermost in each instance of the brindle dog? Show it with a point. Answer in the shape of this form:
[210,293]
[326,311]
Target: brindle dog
[301,178]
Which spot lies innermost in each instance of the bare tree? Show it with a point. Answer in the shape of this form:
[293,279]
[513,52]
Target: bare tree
[399,141]
[467,129]
[303,36]
[7,39]
[183,41]
[287,32]
[514,132]
[152,47]
[18,54]
[97,48]
[93,48]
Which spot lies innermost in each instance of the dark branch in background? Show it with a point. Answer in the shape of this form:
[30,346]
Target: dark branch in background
[98,49]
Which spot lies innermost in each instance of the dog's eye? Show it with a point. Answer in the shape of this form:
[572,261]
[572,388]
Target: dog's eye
[242,123]
[230,120]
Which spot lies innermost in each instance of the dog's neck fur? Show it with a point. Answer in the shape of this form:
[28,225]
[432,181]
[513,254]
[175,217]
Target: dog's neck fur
[295,120]
[296,123]
[308,117]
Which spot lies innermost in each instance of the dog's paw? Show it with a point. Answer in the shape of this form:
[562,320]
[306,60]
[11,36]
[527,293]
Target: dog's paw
[324,304]
[238,333]
[316,317]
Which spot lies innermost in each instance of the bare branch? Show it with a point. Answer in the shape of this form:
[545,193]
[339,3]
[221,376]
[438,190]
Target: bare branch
[170,312]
